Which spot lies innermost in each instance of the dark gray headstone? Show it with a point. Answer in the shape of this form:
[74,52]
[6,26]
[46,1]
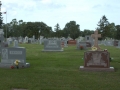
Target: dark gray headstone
[52,45]
[81,44]
[9,55]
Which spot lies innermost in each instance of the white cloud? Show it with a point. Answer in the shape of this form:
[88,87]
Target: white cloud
[86,13]
[46,1]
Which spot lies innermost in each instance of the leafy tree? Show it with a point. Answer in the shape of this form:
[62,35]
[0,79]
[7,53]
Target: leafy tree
[103,28]
[117,36]
[88,32]
[111,30]
[72,29]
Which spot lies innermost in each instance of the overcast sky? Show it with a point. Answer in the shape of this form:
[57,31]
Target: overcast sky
[86,13]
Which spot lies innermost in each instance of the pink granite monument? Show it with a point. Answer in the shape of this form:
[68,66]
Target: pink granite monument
[97,60]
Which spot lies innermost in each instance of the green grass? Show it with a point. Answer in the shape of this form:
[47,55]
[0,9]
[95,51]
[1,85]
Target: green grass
[60,71]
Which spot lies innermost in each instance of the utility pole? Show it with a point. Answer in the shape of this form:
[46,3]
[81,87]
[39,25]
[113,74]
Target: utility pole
[0,16]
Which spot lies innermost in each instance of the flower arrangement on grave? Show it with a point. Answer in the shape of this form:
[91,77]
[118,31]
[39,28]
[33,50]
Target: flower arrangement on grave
[81,47]
[109,57]
[105,50]
[12,67]
[17,63]
[94,48]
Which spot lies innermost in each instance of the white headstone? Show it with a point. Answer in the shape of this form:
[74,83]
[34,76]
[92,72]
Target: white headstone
[26,39]
[16,43]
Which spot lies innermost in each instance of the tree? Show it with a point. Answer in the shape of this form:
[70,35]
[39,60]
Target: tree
[111,30]
[88,32]
[57,27]
[58,31]
[72,29]
[117,32]
[103,28]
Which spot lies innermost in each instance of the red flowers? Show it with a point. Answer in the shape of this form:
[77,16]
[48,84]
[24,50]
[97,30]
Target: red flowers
[81,47]
[12,67]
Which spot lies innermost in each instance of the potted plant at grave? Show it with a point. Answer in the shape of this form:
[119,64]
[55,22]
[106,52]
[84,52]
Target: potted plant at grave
[81,47]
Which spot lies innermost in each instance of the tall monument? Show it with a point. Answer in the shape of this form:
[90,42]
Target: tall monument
[96,59]
[96,36]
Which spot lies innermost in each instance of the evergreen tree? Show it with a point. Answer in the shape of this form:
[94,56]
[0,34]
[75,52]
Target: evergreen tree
[103,28]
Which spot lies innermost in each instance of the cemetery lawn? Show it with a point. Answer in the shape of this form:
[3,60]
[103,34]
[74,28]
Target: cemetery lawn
[60,71]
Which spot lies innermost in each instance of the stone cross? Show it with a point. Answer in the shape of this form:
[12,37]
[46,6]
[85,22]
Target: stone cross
[96,36]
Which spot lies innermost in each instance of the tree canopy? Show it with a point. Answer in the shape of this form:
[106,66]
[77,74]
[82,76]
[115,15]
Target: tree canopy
[20,28]
[72,29]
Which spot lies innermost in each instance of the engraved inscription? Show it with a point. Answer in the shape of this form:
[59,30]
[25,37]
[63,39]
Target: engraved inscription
[96,59]
[15,52]
[4,54]
[52,44]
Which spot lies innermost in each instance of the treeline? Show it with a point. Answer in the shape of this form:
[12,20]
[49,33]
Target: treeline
[20,28]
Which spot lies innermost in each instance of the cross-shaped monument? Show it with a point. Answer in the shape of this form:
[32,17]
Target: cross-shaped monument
[96,36]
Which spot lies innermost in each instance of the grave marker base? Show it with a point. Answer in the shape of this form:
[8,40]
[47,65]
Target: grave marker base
[8,65]
[110,69]
[52,50]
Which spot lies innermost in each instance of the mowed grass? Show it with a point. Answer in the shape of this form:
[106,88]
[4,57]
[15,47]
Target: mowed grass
[60,71]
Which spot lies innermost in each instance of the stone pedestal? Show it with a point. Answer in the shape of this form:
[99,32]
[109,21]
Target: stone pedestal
[96,61]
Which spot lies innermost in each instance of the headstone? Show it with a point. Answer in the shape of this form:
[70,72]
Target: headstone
[88,44]
[20,39]
[108,43]
[26,39]
[52,45]
[30,40]
[5,44]
[81,46]
[72,42]
[9,40]
[15,43]
[103,42]
[41,39]
[64,42]
[9,55]
[88,38]
[81,38]
[115,42]
[118,44]
[97,60]
[34,37]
